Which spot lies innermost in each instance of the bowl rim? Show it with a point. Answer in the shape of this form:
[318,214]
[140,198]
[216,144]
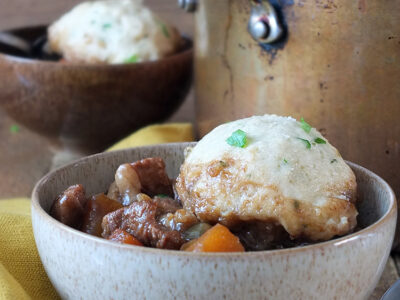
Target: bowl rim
[337,242]
[187,48]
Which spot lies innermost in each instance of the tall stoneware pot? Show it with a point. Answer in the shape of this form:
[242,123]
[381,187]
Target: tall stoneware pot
[335,62]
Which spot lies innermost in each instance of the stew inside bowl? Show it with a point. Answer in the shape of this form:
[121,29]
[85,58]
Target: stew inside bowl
[219,202]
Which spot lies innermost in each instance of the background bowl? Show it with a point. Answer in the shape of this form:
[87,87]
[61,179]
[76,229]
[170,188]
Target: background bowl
[91,105]
[83,266]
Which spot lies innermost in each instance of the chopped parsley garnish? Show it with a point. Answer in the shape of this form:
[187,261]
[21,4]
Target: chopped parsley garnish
[306,127]
[162,196]
[320,141]
[306,142]
[333,160]
[133,59]
[237,139]
[106,26]
[14,128]
[223,164]
[164,30]
[285,161]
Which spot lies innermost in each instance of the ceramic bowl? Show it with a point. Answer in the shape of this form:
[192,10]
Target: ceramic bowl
[91,105]
[87,267]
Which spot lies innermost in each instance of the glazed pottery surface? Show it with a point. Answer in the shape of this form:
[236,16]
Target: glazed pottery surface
[92,105]
[87,267]
[337,65]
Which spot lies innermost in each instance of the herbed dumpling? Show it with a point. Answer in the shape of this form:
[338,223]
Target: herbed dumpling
[112,32]
[273,170]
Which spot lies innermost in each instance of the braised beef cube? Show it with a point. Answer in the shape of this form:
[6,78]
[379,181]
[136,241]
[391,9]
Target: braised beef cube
[153,177]
[258,236]
[68,208]
[166,204]
[111,222]
[96,208]
[139,220]
[180,220]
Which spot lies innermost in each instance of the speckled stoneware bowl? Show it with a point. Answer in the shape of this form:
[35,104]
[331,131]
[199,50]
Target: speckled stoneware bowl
[91,106]
[87,267]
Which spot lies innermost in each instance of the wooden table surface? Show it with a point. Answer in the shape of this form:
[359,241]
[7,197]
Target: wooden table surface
[26,156]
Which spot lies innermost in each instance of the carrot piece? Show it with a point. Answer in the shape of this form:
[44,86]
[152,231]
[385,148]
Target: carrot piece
[96,208]
[121,236]
[216,239]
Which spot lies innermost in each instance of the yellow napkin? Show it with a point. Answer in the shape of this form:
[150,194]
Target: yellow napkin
[22,275]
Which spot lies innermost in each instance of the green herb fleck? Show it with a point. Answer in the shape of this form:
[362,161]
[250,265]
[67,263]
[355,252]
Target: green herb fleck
[223,164]
[238,139]
[14,128]
[133,59]
[285,161]
[306,142]
[106,25]
[333,160]
[320,141]
[162,196]
[306,127]
[164,30]
[296,204]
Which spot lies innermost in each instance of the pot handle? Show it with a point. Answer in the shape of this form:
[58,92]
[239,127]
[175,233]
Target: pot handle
[264,25]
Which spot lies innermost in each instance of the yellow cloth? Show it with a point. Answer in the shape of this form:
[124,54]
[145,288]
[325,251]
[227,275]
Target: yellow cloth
[157,134]
[22,275]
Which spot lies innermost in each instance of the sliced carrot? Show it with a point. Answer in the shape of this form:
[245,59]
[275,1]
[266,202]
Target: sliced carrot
[216,239]
[121,236]
[96,208]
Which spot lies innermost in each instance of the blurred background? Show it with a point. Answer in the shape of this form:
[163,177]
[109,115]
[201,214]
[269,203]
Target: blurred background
[20,13]
[25,155]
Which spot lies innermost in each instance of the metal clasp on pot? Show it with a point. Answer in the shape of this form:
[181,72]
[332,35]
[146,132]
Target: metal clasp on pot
[188,5]
[264,24]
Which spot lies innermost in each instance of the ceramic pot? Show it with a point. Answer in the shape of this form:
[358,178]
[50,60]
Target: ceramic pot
[335,63]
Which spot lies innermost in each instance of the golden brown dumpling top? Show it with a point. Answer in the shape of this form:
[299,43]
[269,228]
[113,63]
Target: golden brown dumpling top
[271,169]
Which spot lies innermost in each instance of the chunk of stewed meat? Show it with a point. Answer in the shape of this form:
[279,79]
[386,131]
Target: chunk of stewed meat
[68,208]
[112,221]
[139,219]
[257,236]
[95,209]
[170,213]
[166,205]
[153,176]
[180,220]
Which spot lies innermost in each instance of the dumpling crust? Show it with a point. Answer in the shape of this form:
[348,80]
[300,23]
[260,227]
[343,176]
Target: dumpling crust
[112,32]
[276,179]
